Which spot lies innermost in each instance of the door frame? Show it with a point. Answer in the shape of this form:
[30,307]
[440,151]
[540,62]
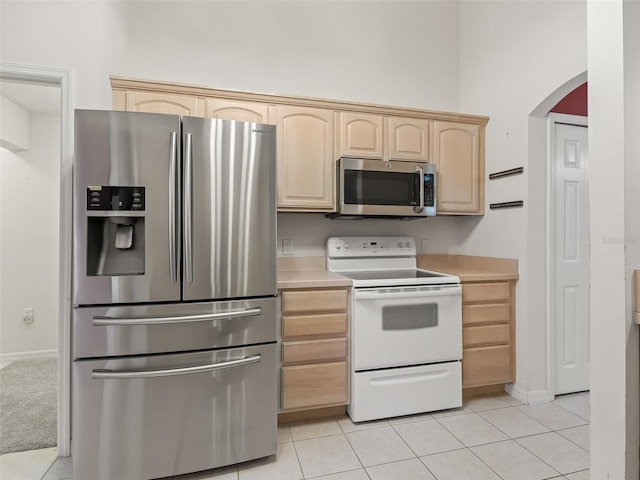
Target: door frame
[552,120]
[63,79]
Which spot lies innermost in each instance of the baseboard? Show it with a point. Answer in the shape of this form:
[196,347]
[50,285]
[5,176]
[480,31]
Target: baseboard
[33,355]
[516,392]
[539,396]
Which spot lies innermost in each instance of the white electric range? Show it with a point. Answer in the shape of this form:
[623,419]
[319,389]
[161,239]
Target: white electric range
[406,329]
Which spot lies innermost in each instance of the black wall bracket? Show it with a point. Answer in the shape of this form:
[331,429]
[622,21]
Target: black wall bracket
[517,203]
[506,173]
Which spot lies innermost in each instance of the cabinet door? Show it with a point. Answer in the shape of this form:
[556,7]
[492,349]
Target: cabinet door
[239,110]
[487,366]
[152,102]
[458,152]
[360,135]
[407,139]
[315,385]
[306,176]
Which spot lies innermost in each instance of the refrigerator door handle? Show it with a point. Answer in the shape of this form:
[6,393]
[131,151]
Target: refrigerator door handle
[188,208]
[173,195]
[100,374]
[104,321]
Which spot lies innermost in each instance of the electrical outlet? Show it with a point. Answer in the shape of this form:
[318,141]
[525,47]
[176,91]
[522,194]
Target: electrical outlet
[287,246]
[424,246]
[27,315]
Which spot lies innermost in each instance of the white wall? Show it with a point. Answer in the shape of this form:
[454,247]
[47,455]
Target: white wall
[88,37]
[309,231]
[29,219]
[512,56]
[14,126]
[391,52]
[632,220]
[614,94]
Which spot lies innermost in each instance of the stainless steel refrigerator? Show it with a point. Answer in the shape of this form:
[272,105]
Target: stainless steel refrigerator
[174,293]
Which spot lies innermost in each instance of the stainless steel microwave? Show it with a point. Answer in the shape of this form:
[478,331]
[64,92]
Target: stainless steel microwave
[376,188]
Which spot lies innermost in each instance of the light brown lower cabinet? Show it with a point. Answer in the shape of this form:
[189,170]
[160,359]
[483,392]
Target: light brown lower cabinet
[486,366]
[488,333]
[315,352]
[315,385]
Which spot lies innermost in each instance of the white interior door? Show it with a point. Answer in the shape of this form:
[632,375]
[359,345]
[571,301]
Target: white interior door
[571,258]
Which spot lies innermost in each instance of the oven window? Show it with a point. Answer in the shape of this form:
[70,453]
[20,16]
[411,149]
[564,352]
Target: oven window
[363,187]
[409,317]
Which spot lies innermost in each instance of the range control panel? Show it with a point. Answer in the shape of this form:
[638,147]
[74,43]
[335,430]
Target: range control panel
[348,247]
[101,197]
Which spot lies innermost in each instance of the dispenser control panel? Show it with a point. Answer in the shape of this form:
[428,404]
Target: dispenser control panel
[101,197]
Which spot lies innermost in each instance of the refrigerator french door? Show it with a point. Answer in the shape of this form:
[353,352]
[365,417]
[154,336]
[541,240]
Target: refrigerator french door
[174,321]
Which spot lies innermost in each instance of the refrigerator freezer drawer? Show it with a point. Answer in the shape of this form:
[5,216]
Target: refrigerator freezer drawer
[142,329]
[163,419]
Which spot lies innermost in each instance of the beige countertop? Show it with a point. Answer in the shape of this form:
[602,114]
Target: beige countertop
[470,268]
[310,272]
[307,272]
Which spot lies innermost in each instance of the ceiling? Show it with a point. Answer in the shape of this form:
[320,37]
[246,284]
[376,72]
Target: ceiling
[33,98]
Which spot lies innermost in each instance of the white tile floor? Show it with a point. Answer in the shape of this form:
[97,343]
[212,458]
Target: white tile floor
[491,438]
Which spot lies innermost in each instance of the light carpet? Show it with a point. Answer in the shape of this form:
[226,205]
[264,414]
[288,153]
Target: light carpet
[28,405]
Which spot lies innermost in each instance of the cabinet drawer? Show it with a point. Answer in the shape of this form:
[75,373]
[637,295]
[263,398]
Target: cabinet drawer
[486,313]
[485,335]
[314,351]
[485,292]
[487,366]
[314,385]
[323,325]
[298,301]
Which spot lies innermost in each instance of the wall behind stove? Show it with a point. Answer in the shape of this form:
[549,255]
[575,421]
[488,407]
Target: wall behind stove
[309,231]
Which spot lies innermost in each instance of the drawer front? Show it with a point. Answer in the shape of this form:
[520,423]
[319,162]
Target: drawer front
[487,366]
[104,331]
[485,335]
[298,301]
[314,351]
[486,313]
[405,391]
[314,385]
[485,292]
[160,426]
[301,326]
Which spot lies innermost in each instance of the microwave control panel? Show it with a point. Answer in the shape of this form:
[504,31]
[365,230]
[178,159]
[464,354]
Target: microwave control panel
[429,189]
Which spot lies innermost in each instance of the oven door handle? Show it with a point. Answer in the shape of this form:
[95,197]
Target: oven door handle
[416,292]
[105,374]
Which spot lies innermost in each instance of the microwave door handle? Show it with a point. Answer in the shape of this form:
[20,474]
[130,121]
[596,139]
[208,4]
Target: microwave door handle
[420,208]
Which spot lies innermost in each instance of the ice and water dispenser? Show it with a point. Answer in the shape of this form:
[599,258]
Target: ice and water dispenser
[115,230]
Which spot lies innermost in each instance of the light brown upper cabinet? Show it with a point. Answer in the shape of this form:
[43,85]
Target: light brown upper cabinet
[360,135]
[365,135]
[407,139]
[239,110]
[458,152]
[313,133]
[154,102]
[306,176]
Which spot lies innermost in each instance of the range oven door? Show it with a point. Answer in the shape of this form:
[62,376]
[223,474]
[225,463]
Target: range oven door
[402,326]
[157,416]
